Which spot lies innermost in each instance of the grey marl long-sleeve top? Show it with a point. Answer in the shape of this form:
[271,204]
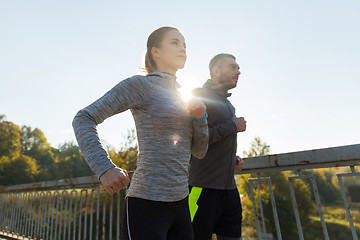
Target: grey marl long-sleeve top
[167,135]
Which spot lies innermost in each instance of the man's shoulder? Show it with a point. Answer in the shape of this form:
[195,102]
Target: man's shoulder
[197,92]
[202,92]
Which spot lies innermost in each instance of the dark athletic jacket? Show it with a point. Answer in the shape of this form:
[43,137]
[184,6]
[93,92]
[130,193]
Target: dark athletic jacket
[216,169]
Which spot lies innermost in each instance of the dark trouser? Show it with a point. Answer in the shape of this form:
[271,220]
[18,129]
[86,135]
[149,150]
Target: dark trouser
[215,211]
[153,220]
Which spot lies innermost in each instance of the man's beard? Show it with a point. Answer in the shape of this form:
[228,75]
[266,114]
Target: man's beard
[226,83]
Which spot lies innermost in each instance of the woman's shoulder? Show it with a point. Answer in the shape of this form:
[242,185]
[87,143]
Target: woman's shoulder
[137,81]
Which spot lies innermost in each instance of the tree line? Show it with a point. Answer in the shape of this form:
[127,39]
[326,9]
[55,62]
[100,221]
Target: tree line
[26,156]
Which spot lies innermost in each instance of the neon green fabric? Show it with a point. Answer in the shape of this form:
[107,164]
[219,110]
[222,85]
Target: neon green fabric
[193,198]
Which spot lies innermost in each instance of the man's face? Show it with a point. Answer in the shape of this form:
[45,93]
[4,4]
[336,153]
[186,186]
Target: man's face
[228,74]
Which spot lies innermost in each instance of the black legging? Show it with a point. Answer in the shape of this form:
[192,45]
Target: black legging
[154,220]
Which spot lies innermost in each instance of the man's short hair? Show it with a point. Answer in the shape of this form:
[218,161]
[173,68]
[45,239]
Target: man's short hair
[218,60]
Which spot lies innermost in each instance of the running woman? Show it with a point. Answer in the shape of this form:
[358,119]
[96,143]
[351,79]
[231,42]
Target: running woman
[168,133]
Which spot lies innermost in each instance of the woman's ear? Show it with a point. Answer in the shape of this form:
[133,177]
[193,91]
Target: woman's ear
[155,53]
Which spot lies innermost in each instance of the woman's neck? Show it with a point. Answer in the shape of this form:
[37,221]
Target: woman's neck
[166,70]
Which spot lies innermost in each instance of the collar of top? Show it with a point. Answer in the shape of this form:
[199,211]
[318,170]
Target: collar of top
[168,78]
[216,88]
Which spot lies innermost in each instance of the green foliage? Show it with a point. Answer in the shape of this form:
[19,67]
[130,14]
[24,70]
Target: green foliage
[126,158]
[26,156]
[70,162]
[10,138]
[329,194]
[15,167]
[257,148]
[35,145]
[22,169]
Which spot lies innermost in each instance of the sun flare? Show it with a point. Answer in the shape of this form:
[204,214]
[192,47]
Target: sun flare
[188,83]
[186,94]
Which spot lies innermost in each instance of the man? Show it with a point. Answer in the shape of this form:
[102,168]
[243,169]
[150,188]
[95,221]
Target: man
[214,200]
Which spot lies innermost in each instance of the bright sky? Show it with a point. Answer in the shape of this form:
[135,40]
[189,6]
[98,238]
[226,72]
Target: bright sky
[300,63]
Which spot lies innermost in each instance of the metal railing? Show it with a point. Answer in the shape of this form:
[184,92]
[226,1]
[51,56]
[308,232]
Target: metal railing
[79,208]
[76,208]
[299,161]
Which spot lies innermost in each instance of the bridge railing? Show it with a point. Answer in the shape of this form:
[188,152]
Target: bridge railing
[344,156]
[79,208]
[76,208]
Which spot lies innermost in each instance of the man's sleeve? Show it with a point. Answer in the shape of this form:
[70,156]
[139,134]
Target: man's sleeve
[217,131]
[221,130]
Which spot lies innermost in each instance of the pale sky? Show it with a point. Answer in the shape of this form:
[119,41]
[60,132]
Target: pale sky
[300,63]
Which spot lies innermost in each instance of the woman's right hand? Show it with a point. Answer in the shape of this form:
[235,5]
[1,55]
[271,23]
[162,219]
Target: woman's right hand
[196,108]
[115,179]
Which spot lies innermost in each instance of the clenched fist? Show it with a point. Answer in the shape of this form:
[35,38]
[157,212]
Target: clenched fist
[239,164]
[196,108]
[241,123]
[115,179]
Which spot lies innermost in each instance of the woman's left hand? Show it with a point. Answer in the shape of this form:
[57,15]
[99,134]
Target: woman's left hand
[196,108]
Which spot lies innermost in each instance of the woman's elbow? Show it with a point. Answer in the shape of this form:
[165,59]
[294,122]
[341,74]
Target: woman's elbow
[200,154]
[76,120]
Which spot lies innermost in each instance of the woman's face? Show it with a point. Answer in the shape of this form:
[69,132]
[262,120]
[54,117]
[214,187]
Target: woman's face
[171,54]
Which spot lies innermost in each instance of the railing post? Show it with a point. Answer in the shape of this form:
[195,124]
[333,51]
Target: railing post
[103,218]
[318,204]
[97,214]
[118,216]
[273,205]
[255,210]
[296,211]
[86,214]
[346,204]
[75,213]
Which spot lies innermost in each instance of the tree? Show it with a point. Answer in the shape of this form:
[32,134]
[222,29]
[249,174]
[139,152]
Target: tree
[257,148]
[15,167]
[70,162]
[126,158]
[35,145]
[10,138]
[26,156]
[22,169]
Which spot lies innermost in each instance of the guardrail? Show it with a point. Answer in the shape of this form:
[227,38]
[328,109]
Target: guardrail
[79,208]
[319,158]
[76,208]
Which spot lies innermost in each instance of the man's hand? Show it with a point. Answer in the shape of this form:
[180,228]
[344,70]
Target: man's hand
[241,123]
[196,108]
[239,164]
[115,179]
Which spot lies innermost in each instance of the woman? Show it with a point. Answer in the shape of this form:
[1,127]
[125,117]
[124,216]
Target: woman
[157,205]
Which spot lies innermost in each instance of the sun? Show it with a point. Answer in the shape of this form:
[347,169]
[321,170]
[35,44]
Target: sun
[186,94]
[188,83]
